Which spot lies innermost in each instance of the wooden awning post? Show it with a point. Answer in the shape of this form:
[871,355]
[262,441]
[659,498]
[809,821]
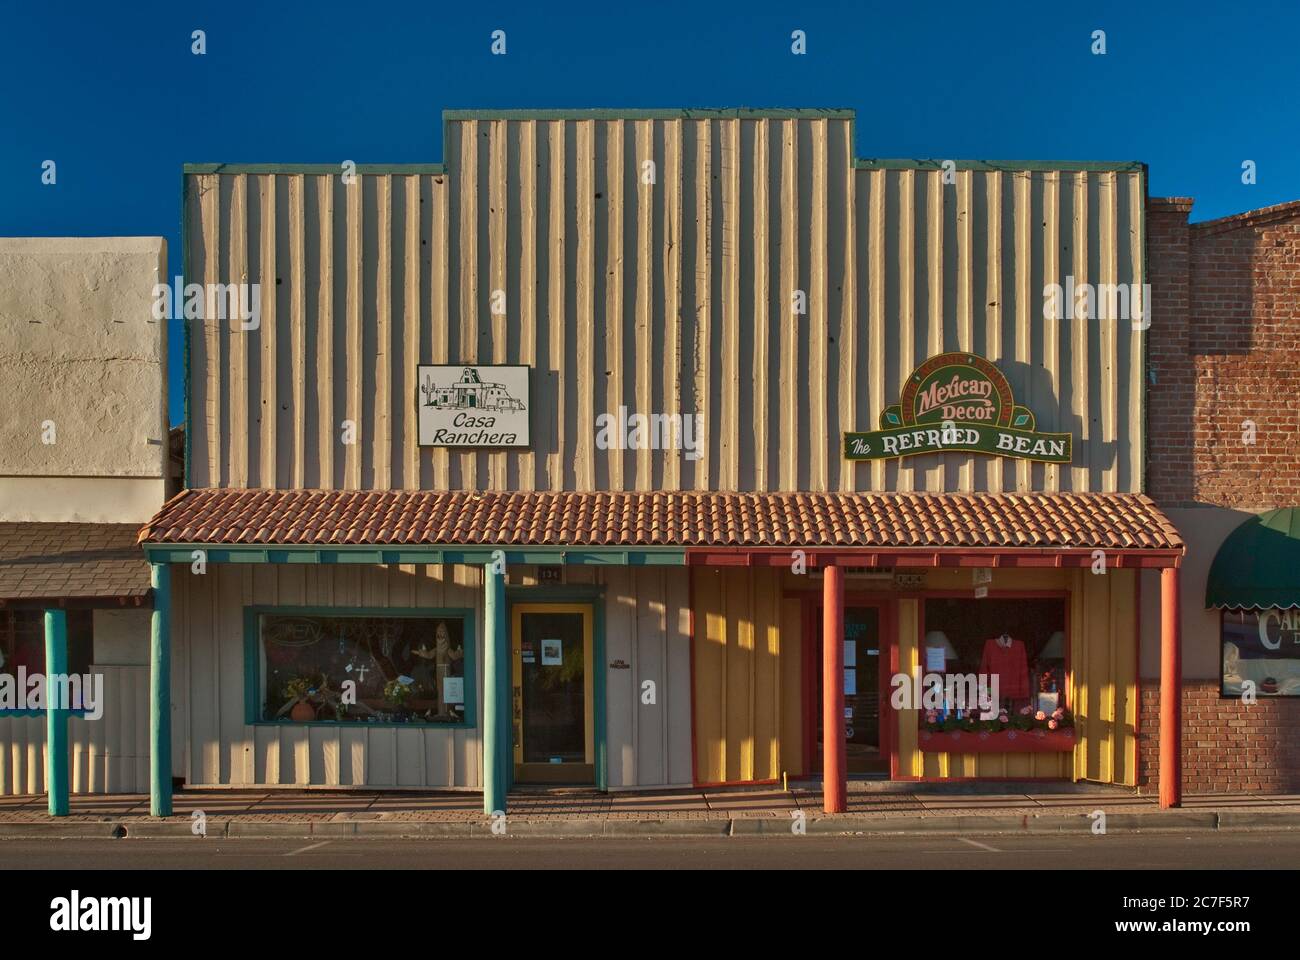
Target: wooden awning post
[496,664]
[834,760]
[160,693]
[1171,692]
[56,714]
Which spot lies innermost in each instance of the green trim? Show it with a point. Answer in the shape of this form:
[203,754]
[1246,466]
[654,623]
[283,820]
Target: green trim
[1257,567]
[325,169]
[253,679]
[658,113]
[593,594]
[1009,166]
[160,694]
[56,719]
[496,691]
[343,553]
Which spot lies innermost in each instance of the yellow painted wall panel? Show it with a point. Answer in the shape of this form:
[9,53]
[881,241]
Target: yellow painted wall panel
[740,694]
[1101,687]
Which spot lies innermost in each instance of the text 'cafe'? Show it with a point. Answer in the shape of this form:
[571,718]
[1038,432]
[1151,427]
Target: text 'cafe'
[426,563]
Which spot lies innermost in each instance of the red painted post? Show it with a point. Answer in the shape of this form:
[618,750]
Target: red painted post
[1171,692]
[834,761]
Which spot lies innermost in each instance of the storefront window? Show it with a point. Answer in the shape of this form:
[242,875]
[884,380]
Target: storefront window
[1261,653]
[22,642]
[356,668]
[1021,642]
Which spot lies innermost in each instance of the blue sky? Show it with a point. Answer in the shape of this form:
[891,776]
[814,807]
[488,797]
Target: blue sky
[113,94]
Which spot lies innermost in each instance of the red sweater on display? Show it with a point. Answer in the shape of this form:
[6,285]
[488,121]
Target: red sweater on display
[1010,664]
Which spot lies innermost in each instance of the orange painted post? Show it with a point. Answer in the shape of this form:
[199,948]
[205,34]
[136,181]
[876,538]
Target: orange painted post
[1171,692]
[834,760]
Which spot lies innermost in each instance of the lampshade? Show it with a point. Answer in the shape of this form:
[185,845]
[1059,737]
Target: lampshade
[1054,649]
[937,638]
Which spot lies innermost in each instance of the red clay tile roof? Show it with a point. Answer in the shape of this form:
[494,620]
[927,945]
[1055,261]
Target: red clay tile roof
[43,561]
[427,517]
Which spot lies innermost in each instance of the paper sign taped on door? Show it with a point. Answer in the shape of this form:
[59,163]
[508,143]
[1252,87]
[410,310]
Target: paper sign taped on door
[552,652]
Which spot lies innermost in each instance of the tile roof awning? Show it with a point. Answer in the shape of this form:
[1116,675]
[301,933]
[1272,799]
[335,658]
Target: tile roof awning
[72,561]
[400,526]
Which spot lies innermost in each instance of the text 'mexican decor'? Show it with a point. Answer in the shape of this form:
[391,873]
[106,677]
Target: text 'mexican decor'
[957,403]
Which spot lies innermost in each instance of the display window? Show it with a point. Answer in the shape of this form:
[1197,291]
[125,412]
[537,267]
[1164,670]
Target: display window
[22,643]
[364,668]
[1016,646]
[1260,653]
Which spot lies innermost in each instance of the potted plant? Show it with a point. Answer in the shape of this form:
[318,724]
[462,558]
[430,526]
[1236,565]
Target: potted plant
[397,694]
[299,692]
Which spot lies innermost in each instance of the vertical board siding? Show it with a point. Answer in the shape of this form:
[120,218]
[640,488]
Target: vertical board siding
[739,269]
[962,266]
[647,627]
[742,676]
[108,755]
[226,750]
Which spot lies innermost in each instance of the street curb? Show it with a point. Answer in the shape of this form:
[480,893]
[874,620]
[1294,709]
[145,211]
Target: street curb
[169,829]
[415,828]
[1035,823]
[670,828]
[1252,819]
[245,828]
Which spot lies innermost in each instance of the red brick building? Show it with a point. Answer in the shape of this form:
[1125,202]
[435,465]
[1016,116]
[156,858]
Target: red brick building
[1223,411]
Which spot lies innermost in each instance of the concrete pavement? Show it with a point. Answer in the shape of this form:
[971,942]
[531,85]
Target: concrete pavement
[874,808]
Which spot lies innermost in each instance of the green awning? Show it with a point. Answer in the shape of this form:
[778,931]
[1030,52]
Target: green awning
[1258,566]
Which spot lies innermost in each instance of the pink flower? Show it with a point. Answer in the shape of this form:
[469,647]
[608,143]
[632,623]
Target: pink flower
[932,716]
[1058,713]
[1002,717]
[1026,710]
[1040,715]
[1051,724]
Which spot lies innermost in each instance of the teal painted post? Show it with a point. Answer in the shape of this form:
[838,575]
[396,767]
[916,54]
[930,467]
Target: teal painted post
[56,714]
[495,659]
[160,694]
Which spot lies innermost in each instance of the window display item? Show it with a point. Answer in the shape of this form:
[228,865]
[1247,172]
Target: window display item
[937,640]
[1005,657]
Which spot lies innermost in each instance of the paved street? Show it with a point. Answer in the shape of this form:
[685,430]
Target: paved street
[1233,851]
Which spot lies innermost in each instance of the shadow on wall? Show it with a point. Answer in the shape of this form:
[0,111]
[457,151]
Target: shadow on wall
[1033,387]
[1223,290]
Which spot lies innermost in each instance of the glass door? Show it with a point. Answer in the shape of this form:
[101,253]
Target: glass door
[553,722]
[862,655]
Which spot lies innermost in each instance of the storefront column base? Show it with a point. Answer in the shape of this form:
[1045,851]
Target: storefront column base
[56,716]
[496,657]
[160,694]
[1171,692]
[834,748]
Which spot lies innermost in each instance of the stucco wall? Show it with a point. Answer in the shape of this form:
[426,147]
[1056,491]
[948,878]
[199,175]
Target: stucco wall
[81,350]
[1203,529]
[122,637]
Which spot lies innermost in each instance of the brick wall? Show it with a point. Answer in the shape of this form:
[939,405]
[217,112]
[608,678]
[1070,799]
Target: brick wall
[1223,349]
[1228,746]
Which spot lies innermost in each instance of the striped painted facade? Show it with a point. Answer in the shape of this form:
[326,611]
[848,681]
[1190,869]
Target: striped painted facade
[740,266]
[671,296]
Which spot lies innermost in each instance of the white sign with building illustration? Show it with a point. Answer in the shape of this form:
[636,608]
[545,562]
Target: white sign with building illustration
[474,405]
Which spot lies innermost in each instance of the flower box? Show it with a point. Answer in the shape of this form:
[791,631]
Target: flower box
[1004,741]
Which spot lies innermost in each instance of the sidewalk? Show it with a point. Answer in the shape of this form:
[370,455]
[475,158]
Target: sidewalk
[873,808]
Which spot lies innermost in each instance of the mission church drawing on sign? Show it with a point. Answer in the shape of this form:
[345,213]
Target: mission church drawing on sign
[469,393]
